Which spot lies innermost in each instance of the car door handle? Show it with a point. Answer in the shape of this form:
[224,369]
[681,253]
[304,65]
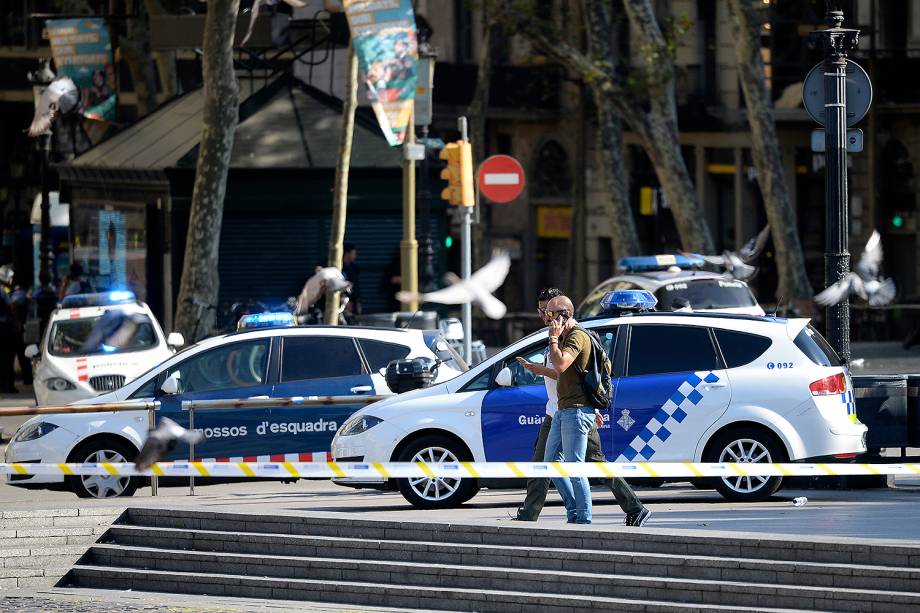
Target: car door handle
[258,398]
[717,384]
[362,389]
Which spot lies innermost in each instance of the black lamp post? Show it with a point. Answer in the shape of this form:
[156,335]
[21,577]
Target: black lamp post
[836,41]
[426,244]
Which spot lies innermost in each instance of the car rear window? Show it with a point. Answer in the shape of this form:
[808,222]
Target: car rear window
[818,350]
[705,294]
[319,357]
[740,348]
[379,353]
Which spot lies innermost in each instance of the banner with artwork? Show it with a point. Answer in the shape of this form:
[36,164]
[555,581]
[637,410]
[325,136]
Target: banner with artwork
[384,36]
[82,51]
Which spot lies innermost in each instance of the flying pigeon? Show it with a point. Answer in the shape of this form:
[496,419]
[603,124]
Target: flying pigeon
[326,280]
[162,441]
[114,330]
[61,97]
[738,264]
[478,289]
[864,282]
[254,13]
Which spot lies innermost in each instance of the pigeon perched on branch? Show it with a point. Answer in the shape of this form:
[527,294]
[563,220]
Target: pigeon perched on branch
[162,441]
[254,13]
[325,281]
[865,281]
[61,97]
[477,290]
[737,264]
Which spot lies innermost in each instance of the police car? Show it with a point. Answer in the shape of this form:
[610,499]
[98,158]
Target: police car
[75,361]
[676,282]
[687,387]
[262,361]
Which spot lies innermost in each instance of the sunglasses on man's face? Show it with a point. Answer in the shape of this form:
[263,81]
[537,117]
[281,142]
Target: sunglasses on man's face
[555,314]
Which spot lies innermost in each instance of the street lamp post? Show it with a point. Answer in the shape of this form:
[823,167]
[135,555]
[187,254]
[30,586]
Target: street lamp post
[427,55]
[836,41]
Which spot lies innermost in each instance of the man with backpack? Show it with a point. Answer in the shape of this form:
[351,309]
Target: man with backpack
[636,513]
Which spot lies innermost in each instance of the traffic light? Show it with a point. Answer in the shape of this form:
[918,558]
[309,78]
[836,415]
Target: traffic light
[458,174]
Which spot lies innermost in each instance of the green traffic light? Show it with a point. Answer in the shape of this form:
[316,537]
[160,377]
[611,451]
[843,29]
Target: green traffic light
[897,221]
[449,241]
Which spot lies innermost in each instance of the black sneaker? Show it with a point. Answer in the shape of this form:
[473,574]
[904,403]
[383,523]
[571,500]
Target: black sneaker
[638,520]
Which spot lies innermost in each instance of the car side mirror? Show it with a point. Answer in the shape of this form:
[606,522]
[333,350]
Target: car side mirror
[504,377]
[175,339]
[383,371]
[32,351]
[172,385]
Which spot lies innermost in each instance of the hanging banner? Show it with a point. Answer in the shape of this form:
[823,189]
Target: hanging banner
[383,33]
[82,51]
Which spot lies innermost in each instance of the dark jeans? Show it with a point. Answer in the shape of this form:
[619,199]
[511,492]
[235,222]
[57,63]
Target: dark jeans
[537,488]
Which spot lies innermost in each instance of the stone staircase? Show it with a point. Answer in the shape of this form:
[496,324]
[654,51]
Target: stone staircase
[39,547]
[491,568]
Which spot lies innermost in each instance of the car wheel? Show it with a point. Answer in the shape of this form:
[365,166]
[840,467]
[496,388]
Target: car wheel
[744,445]
[436,493]
[103,486]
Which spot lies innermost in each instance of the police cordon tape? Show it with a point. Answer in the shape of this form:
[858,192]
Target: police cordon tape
[447,470]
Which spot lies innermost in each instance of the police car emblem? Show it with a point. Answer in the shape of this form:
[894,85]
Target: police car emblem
[625,420]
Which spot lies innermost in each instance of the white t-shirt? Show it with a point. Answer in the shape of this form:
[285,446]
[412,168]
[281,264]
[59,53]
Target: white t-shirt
[552,398]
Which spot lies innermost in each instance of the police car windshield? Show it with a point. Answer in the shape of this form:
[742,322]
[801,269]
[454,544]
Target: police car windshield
[69,338]
[705,294]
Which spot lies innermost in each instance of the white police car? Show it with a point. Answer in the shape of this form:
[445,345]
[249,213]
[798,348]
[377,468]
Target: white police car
[687,387]
[676,282]
[263,362]
[74,359]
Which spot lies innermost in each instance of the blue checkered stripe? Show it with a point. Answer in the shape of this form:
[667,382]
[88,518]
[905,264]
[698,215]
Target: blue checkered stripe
[849,404]
[669,417]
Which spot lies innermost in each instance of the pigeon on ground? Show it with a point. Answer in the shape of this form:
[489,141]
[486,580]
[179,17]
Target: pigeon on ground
[61,97]
[162,441]
[865,281]
[738,264]
[326,280]
[254,13]
[477,290]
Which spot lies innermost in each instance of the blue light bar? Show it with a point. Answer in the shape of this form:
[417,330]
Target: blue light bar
[265,320]
[646,263]
[101,299]
[628,300]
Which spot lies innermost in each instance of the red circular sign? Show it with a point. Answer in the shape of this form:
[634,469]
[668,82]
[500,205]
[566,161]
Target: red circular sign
[501,178]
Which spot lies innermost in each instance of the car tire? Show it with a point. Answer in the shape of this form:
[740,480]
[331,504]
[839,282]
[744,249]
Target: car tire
[426,493]
[109,449]
[745,445]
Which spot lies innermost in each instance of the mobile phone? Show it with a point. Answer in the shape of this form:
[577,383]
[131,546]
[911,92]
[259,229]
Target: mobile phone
[562,317]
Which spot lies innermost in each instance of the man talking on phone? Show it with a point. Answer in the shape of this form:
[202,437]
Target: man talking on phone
[636,513]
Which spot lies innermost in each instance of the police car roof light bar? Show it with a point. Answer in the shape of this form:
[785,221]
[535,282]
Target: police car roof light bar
[648,263]
[636,300]
[265,320]
[100,299]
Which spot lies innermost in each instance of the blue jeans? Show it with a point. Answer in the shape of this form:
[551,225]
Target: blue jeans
[568,442]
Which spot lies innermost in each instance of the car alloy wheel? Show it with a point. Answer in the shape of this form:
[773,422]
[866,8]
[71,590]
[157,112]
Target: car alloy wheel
[105,486]
[746,451]
[437,488]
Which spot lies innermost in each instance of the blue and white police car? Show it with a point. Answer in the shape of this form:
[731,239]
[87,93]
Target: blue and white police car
[676,282]
[269,362]
[687,387]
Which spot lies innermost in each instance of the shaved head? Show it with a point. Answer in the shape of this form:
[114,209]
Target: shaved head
[560,303]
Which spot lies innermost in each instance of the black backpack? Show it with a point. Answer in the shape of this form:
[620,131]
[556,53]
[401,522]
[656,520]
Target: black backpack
[595,378]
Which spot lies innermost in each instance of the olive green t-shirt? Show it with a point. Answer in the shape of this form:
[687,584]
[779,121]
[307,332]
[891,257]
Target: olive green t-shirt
[577,344]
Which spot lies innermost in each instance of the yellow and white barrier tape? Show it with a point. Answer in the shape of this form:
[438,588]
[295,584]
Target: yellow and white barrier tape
[512,470]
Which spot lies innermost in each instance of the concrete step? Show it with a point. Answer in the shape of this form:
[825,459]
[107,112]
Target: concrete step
[450,576]
[359,593]
[57,518]
[634,540]
[538,558]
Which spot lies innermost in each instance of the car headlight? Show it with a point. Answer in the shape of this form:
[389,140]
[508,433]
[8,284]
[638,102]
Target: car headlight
[357,425]
[59,384]
[34,431]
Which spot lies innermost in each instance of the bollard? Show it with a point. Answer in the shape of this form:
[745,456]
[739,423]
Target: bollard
[151,424]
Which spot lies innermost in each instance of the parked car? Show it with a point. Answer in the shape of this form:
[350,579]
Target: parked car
[70,366]
[687,387]
[271,362]
[676,283]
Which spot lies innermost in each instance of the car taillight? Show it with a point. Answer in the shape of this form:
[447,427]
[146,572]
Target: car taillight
[828,386]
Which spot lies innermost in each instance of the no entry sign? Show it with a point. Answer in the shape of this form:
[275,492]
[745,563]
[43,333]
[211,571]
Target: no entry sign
[501,178]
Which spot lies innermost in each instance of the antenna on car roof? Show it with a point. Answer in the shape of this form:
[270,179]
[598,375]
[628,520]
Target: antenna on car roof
[411,319]
[776,307]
